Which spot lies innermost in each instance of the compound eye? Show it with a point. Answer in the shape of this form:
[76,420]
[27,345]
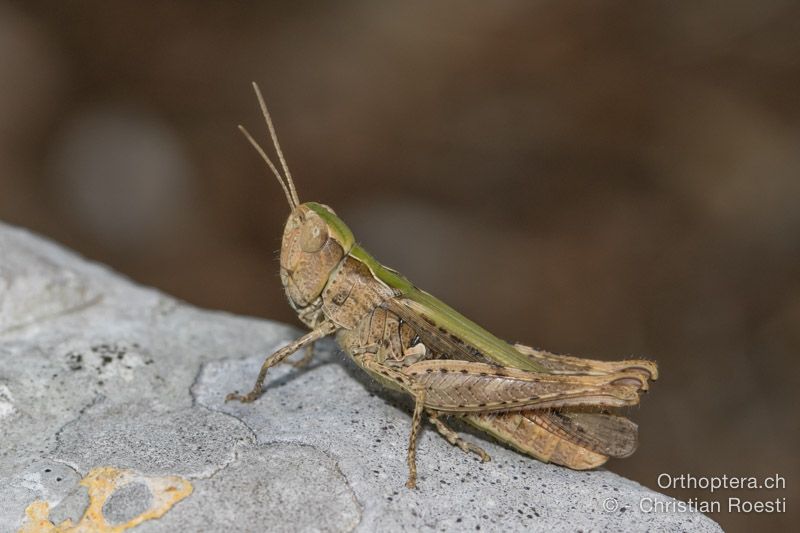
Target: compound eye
[314,235]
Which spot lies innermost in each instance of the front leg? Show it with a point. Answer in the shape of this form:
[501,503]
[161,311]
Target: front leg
[306,359]
[323,330]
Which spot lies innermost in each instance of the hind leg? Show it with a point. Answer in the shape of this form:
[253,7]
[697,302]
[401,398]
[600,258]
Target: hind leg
[416,423]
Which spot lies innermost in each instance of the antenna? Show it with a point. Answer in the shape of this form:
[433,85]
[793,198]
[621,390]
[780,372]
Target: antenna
[287,184]
[266,158]
[268,118]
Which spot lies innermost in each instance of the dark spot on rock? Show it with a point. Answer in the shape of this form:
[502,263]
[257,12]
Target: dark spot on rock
[74,361]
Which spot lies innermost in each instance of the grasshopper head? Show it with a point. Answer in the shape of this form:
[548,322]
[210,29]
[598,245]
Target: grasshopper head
[315,241]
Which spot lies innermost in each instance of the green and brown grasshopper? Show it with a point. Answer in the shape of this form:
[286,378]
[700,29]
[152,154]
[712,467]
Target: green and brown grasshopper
[552,407]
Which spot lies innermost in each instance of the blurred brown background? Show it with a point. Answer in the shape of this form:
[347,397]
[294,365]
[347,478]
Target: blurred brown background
[602,179]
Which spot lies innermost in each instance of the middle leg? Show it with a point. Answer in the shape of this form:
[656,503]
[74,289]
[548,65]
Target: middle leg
[453,438]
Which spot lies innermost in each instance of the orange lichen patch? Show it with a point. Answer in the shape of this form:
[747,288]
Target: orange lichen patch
[101,483]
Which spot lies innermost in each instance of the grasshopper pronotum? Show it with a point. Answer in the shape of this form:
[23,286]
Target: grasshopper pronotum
[552,407]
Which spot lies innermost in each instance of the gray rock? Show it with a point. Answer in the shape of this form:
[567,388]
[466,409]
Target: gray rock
[192,442]
[127,503]
[72,506]
[98,372]
[276,487]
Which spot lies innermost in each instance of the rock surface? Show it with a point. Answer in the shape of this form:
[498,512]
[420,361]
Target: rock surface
[111,398]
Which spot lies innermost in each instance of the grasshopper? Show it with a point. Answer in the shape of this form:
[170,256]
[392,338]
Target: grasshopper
[555,408]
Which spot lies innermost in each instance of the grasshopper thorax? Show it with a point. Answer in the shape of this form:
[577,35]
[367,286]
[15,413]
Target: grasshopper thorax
[314,243]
